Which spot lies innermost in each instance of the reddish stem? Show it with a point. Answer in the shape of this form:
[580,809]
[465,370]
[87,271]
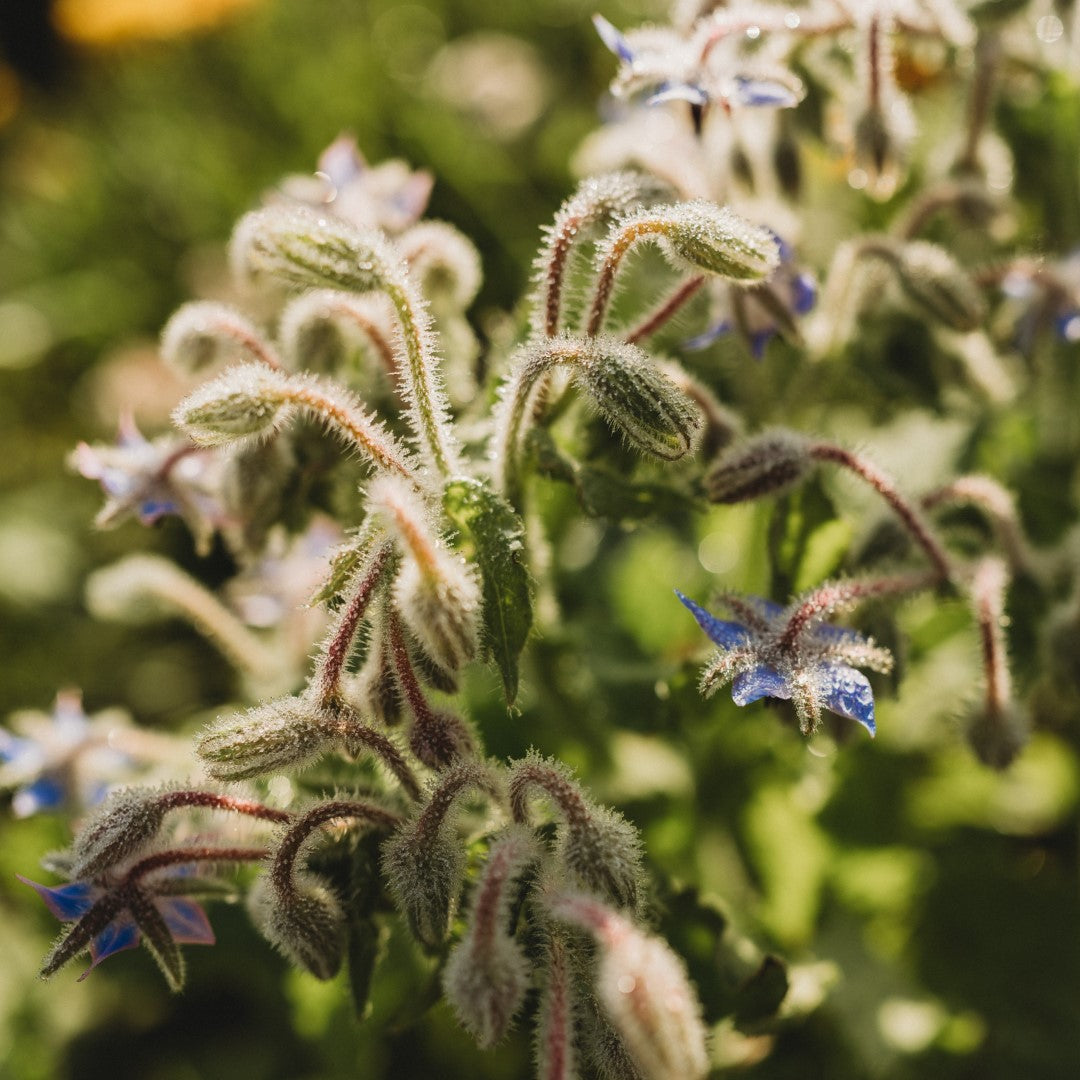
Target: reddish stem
[687,290]
[180,856]
[884,485]
[337,649]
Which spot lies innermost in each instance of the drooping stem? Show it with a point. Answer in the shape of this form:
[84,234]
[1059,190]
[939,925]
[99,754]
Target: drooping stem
[160,860]
[283,870]
[838,595]
[884,485]
[988,594]
[999,507]
[626,238]
[330,666]
[684,293]
[555,1042]
[514,408]
[210,800]
[366,435]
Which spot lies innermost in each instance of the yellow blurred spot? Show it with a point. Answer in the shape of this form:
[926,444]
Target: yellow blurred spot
[106,22]
[10,93]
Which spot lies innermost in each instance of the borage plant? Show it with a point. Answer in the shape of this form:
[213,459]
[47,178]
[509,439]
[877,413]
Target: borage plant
[530,899]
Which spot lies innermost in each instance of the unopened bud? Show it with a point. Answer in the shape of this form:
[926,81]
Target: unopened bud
[717,240]
[305,922]
[639,402]
[287,733]
[998,735]
[438,738]
[243,401]
[597,846]
[441,608]
[939,286]
[424,860]
[644,990]
[487,975]
[767,465]
[204,333]
[305,249]
[128,819]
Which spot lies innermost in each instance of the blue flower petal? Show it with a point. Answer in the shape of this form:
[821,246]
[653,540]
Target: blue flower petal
[769,609]
[759,682]
[613,39]
[708,336]
[186,920]
[120,934]
[1067,326]
[803,293]
[848,693]
[12,748]
[45,793]
[767,92]
[151,510]
[728,635]
[679,92]
[66,902]
[759,341]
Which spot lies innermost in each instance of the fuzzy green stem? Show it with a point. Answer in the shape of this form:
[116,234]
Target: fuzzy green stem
[426,396]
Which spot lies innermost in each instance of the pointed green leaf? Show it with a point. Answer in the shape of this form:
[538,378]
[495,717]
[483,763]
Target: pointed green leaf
[493,536]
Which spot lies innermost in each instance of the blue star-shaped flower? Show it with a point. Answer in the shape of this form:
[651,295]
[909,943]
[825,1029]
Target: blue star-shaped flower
[110,925]
[666,66]
[778,652]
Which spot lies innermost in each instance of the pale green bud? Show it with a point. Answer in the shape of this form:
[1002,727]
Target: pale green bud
[304,249]
[424,861]
[939,286]
[442,609]
[718,241]
[443,260]
[284,734]
[598,847]
[125,822]
[642,404]
[244,401]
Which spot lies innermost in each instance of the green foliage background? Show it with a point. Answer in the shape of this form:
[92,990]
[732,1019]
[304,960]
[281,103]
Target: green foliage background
[928,908]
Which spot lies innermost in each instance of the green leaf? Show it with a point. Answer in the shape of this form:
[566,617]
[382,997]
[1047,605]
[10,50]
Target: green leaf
[493,536]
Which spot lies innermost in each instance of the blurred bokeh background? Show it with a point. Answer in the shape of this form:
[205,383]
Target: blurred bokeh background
[929,908]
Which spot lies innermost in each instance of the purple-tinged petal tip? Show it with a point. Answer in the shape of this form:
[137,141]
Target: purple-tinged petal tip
[613,39]
[186,920]
[66,902]
[728,635]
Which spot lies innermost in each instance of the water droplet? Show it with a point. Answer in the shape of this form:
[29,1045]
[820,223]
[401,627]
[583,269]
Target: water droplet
[1049,28]
[792,20]
[627,984]
[754,32]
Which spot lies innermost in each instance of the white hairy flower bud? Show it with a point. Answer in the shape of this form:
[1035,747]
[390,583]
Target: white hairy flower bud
[644,990]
